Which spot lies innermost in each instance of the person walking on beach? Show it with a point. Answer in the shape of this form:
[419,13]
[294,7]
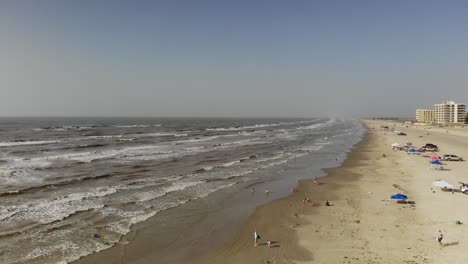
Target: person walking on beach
[256,238]
[440,237]
[316,180]
[267,191]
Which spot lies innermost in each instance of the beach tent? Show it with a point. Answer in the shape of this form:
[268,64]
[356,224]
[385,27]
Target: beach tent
[399,196]
[436,162]
[442,184]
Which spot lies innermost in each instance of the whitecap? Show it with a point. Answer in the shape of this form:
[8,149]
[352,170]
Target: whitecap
[26,143]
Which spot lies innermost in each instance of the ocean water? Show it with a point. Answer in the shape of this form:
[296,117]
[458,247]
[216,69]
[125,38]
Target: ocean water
[64,180]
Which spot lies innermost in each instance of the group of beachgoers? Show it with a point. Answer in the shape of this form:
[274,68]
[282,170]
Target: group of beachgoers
[306,200]
[440,235]
[267,191]
[257,238]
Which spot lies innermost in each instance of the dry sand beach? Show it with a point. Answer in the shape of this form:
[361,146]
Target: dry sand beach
[362,226]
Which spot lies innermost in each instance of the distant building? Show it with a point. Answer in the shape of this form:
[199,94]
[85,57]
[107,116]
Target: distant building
[450,113]
[425,115]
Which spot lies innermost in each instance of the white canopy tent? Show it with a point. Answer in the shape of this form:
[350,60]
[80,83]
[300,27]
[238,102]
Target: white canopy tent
[442,184]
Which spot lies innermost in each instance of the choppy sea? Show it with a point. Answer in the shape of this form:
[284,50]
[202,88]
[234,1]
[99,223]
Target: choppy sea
[64,180]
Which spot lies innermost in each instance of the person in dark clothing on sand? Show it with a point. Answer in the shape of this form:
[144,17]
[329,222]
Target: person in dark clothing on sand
[440,237]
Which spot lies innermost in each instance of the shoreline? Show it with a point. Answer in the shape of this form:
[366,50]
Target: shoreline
[140,245]
[281,220]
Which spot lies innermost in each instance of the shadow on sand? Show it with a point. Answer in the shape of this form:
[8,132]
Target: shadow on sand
[450,244]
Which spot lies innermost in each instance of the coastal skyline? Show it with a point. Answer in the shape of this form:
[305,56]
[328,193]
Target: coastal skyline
[237,59]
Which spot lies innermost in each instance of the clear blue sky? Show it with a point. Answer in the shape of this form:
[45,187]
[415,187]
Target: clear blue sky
[231,58]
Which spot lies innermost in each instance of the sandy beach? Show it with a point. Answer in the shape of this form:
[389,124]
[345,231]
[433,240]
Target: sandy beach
[363,226]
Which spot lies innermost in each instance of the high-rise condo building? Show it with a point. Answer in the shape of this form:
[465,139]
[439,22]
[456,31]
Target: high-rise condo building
[425,115]
[450,112]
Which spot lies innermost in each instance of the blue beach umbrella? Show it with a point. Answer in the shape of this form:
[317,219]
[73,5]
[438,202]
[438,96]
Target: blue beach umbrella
[399,196]
[413,151]
[436,162]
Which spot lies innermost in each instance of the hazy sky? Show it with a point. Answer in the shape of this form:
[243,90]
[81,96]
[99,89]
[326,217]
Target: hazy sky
[231,58]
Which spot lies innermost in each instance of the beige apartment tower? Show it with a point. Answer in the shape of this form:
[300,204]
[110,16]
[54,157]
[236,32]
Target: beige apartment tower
[425,115]
[450,113]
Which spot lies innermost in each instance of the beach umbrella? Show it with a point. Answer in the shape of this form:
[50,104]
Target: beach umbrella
[395,145]
[409,143]
[442,184]
[436,162]
[412,150]
[399,196]
[421,150]
[434,157]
